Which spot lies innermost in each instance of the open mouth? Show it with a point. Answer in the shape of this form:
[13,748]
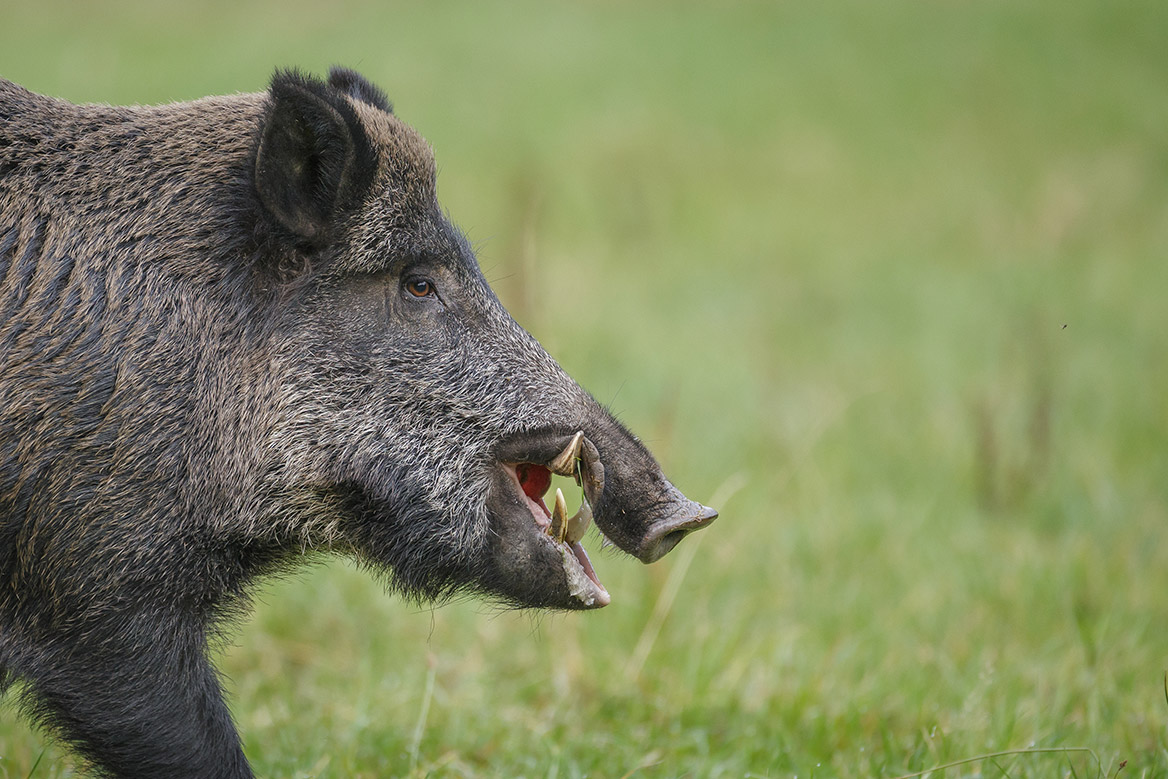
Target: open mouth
[533,481]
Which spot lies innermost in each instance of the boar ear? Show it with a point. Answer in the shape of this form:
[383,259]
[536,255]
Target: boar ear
[358,87]
[314,160]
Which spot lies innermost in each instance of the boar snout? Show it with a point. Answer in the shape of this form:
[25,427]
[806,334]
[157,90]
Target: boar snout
[636,507]
[680,516]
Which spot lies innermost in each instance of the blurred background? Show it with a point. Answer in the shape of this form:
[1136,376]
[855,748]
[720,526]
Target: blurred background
[884,282]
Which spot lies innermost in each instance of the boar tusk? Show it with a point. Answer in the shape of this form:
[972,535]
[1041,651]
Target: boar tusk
[559,526]
[565,462]
[578,522]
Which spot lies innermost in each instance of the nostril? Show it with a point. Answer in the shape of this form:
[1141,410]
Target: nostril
[672,539]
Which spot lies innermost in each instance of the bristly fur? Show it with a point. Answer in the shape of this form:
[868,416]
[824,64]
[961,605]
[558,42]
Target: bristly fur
[212,368]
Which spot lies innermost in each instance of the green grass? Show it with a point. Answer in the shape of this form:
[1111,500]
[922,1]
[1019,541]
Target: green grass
[897,270]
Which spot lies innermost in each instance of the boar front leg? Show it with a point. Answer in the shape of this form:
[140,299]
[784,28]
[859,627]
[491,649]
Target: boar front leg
[143,708]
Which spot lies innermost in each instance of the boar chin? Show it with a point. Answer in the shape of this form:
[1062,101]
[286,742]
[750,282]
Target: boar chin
[535,555]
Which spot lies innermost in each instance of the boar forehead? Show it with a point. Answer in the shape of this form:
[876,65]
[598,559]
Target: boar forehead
[401,220]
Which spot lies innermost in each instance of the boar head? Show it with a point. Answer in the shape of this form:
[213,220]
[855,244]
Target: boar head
[419,424]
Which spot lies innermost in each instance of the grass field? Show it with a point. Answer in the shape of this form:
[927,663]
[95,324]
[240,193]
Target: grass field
[885,282]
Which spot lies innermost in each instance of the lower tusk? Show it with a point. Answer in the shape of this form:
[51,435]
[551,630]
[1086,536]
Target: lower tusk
[559,526]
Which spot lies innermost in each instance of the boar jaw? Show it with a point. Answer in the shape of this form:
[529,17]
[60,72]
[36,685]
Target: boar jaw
[523,562]
[532,482]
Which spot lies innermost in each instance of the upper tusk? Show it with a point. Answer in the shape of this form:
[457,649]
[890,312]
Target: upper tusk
[565,462]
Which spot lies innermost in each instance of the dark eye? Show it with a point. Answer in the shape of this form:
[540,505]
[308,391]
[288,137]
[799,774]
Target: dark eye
[420,288]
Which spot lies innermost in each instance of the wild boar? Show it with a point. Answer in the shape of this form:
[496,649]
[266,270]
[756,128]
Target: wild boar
[238,331]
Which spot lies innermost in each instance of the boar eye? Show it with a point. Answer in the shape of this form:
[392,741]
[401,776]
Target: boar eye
[420,288]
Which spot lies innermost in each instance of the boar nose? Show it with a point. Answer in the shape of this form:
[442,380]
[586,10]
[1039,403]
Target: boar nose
[681,517]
